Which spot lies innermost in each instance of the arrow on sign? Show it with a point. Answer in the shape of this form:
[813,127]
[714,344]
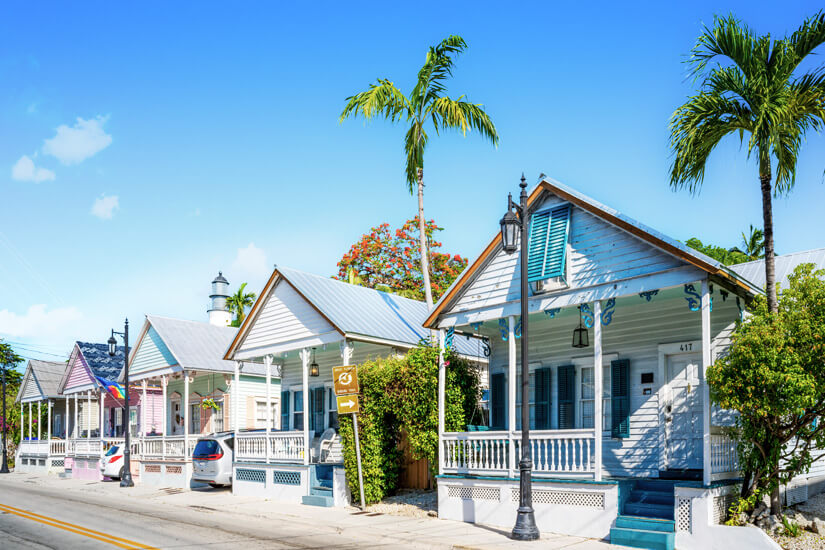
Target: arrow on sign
[348,404]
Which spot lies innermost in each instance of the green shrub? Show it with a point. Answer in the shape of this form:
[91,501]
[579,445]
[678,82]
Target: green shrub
[792,529]
[400,395]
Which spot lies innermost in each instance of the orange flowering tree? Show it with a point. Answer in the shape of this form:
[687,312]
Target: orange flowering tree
[390,260]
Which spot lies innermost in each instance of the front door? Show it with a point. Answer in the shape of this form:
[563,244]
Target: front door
[683,412]
[176,420]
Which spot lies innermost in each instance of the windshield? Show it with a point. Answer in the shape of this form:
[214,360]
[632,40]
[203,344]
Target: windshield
[206,447]
[113,450]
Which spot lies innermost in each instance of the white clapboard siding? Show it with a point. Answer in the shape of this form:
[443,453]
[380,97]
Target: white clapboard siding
[151,354]
[32,388]
[637,329]
[285,316]
[598,252]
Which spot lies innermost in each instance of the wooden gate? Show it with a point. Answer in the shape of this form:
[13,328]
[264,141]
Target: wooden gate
[415,474]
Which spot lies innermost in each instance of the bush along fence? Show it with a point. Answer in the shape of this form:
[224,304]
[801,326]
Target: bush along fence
[400,394]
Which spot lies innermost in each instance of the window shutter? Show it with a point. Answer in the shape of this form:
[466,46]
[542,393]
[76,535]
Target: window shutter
[542,398]
[497,405]
[284,410]
[620,398]
[547,246]
[567,397]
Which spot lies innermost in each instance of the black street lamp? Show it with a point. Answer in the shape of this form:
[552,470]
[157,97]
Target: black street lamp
[126,480]
[514,221]
[4,469]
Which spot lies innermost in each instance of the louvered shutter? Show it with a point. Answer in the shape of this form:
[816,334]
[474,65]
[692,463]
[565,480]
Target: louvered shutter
[547,246]
[498,389]
[542,398]
[620,398]
[285,411]
[567,397]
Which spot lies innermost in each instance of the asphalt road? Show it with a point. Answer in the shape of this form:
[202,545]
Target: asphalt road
[70,520]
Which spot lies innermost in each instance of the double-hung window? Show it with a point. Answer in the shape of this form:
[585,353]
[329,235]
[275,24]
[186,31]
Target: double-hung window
[587,401]
[260,413]
[194,418]
[298,410]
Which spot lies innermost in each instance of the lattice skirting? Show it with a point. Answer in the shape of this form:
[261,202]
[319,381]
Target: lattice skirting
[794,494]
[248,474]
[286,478]
[474,493]
[567,498]
[58,462]
[683,514]
[151,468]
[174,469]
[721,504]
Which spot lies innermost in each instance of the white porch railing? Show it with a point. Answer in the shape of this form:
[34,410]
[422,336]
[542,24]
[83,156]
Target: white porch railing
[283,446]
[554,452]
[724,458]
[166,447]
[88,447]
[57,447]
[40,448]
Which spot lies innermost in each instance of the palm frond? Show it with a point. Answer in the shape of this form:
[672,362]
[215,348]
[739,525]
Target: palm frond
[728,37]
[414,144]
[809,36]
[437,67]
[463,116]
[382,98]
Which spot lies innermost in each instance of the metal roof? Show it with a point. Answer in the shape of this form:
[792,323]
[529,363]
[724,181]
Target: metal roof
[361,311]
[785,264]
[47,374]
[100,362]
[196,345]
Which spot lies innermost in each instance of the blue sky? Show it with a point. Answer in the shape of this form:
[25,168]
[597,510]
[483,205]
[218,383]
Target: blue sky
[144,148]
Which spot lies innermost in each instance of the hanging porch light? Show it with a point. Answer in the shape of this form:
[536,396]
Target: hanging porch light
[313,367]
[580,338]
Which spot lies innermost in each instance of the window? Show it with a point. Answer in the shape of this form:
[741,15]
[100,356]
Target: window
[332,407]
[194,418]
[217,417]
[588,392]
[118,421]
[134,426]
[547,246]
[498,401]
[260,413]
[316,403]
[298,410]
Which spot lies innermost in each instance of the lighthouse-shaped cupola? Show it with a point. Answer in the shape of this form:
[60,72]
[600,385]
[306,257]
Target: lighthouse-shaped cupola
[219,314]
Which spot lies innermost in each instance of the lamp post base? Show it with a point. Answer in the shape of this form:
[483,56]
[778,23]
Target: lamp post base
[525,528]
[126,481]
[4,469]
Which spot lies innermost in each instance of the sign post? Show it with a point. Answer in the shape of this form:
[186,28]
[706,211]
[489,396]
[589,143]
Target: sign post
[345,380]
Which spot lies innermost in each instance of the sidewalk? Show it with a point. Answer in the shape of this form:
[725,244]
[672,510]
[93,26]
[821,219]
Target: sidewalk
[388,529]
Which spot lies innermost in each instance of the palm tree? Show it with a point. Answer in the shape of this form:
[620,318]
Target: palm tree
[426,103]
[751,88]
[238,302]
[753,244]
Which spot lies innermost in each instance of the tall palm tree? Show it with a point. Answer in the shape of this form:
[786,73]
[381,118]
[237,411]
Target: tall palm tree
[425,103]
[238,302]
[752,87]
[753,243]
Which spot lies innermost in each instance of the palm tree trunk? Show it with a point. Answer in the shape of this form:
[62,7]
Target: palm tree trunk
[422,243]
[767,220]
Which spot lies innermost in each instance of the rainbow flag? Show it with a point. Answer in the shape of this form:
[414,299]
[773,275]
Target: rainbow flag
[112,387]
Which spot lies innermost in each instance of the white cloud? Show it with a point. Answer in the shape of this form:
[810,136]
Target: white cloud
[39,322]
[25,170]
[250,266]
[104,207]
[83,140]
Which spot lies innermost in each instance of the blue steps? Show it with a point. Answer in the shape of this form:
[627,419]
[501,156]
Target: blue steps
[647,517]
[320,487]
[317,500]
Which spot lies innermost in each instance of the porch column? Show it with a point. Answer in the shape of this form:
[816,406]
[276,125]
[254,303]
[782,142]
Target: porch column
[236,400]
[706,360]
[185,413]
[268,365]
[30,420]
[511,393]
[75,430]
[66,418]
[88,414]
[102,402]
[163,381]
[49,421]
[305,378]
[39,417]
[441,389]
[142,430]
[598,414]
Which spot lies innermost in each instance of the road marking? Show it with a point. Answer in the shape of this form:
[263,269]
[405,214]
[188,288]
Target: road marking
[85,531]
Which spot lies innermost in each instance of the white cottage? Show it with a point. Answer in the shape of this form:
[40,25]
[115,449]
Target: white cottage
[300,327]
[623,438]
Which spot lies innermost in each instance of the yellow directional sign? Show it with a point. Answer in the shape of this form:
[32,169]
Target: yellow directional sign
[345,380]
[347,404]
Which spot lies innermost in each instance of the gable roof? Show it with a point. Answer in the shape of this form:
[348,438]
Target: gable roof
[354,311]
[785,264]
[46,374]
[611,216]
[194,345]
[100,362]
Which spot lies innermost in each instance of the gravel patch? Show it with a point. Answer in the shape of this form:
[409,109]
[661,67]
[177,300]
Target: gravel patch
[409,503]
[813,508]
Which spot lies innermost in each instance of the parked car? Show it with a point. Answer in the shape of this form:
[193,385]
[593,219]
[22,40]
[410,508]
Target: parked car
[111,465]
[212,459]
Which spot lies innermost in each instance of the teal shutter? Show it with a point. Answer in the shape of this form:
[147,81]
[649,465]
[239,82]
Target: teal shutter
[567,397]
[316,410]
[542,398]
[498,389]
[547,246]
[620,398]
[285,411]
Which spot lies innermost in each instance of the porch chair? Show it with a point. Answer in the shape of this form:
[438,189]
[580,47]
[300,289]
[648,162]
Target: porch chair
[330,447]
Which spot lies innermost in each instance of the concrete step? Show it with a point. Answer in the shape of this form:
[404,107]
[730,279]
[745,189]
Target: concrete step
[320,491]
[647,510]
[651,497]
[657,485]
[639,538]
[646,524]
[317,500]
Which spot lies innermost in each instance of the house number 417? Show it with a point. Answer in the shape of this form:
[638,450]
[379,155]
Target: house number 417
[686,347]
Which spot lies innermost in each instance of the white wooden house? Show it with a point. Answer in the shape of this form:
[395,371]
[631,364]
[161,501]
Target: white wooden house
[184,359]
[301,326]
[623,438]
[39,389]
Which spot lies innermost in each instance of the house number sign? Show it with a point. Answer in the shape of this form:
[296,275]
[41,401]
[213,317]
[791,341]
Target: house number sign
[686,347]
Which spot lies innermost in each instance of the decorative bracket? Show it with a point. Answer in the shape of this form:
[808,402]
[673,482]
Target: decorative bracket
[517,329]
[504,329]
[476,326]
[587,315]
[485,346]
[448,339]
[552,312]
[227,379]
[693,299]
[608,311]
[649,294]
